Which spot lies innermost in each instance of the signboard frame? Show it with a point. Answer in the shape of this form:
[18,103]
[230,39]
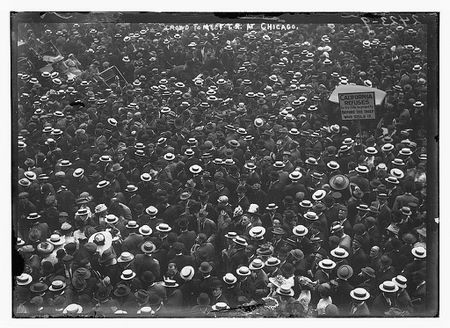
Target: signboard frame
[357,106]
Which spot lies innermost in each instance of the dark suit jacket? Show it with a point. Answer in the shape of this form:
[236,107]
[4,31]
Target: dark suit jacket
[144,262]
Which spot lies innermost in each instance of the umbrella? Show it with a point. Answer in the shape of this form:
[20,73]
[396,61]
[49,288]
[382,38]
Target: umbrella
[348,88]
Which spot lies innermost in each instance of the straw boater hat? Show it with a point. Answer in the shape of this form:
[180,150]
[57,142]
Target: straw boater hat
[256,264]
[306,203]
[339,253]
[285,290]
[360,294]
[163,227]
[148,247]
[311,216]
[229,279]
[24,279]
[103,240]
[388,287]
[419,252]
[400,281]
[125,257]
[240,241]
[56,240]
[127,274]
[243,271]
[319,195]
[327,264]
[220,306]
[257,232]
[272,261]
[145,230]
[295,175]
[187,273]
[300,230]
[73,309]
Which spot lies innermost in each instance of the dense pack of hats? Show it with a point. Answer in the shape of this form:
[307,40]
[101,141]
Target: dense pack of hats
[212,176]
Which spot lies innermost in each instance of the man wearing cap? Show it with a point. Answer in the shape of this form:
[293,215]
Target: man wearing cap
[386,299]
[342,287]
[146,261]
[359,306]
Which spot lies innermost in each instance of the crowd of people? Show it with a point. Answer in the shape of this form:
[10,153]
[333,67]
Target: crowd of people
[218,179]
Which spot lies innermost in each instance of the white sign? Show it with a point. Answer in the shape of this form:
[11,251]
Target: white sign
[357,105]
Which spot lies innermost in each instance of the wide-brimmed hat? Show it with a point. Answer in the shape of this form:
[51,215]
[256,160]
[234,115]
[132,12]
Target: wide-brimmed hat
[305,203]
[371,151]
[339,182]
[300,230]
[327,264]
[127,274]
[397,173]
[169,157]
[319,194]
[148,247]
[131,188]
[145,230]
[243,271]
[111,219]
[271,207]
[388,287]
[240,241]
[169,283]
[279,164]
[100,208]
[295,175]
[333,165]
[400,281]
[285,290]
[73,309]
[392,180]
[102,184]
[24,279]
[146,177]
[257,232]
[57,285]
[151,210]
[125,257]
[195,169]
[278,231]
[345,272]
[360,294]
[339,253]
[406,210]
[419,252]
[256,264]
[229,279]
[311,216]
[220,306]
[272,261]
[56,240]
[387,147]
[33,216]
[132,225]
[205,267]
[405,152]
[163,227]
[231,235]
[362,169]
[187,273]
[38,287]
[45,247]
[103,240]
